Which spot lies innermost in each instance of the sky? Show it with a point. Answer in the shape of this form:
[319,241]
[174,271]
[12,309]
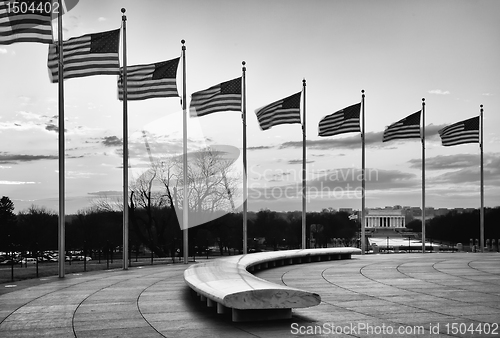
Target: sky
[397,51]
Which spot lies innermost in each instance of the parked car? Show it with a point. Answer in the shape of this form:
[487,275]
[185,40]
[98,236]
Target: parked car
[8,262]
[82,258]
[28,260]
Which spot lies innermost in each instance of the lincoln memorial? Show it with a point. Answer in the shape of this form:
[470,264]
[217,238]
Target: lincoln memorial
[384,218]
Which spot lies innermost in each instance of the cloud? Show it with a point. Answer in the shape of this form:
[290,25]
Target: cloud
[15,183]
[372,140]
[106,193]
[280,177]
[299,161]
[443,162]
[439,92]
[342,184]
[112,141]
[70,174]
[459,161]
[259,148]
[487,94]
[52,127]
[17,158]
[351,142]
[469,172]
[161,146]
[3,51]
[375,179]
[102,19]
[462,177]
[70,23]
[432,130]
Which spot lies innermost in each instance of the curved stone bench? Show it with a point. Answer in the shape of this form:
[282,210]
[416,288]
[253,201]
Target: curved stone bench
[228,284]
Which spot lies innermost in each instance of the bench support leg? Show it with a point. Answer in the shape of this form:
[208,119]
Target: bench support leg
[221,309]
[257,315]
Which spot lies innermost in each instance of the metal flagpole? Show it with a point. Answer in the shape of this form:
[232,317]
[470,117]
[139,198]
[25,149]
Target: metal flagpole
[363,244]
[125,145]
[245,179]
[304,246]
[62,224]
[423,175]
[185,204]
[481,212]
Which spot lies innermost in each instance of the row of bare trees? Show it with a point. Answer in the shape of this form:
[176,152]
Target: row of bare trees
[157,196]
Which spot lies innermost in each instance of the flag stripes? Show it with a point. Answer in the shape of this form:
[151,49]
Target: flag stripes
[87,55]
[225,96]
[150,81]
[466,131]
[342,121]
[284,111]
[30,26]
[409,127]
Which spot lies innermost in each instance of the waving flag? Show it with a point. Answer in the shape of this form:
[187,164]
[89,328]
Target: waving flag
[466,131]
[150,81]
[284,111]
[87,55]
[343,121]
[409,127]
[225,96]
[31,25]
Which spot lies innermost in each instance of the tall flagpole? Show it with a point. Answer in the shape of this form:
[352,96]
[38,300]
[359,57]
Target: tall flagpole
[62,212]
[185,204]
[125,145]
[423,175]
[304,246]
[245,179]
[481,212]
[363,244]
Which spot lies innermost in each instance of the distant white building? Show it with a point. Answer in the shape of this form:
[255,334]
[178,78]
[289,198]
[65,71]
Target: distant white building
[384,218]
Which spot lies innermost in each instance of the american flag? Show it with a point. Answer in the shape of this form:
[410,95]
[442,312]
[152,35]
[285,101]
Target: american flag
[466,131]
[409,127]
[225,96]
[87,55]
[150,81]
[284,111]
[28,26]
[342,121]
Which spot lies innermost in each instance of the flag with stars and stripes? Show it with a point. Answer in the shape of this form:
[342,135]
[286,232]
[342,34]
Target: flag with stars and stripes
[409,127]
[466,131]
[342,121]
[284,111]
[30,24]
[225,96]
[150,81]
[87,55]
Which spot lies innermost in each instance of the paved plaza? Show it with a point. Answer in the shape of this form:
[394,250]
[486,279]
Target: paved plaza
[385,295]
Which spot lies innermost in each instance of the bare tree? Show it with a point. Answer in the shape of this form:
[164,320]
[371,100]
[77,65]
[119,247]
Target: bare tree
[211,182]
[158,192]
[107,203]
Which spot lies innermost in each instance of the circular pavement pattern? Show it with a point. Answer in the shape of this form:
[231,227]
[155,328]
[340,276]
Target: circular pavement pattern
[391,295]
